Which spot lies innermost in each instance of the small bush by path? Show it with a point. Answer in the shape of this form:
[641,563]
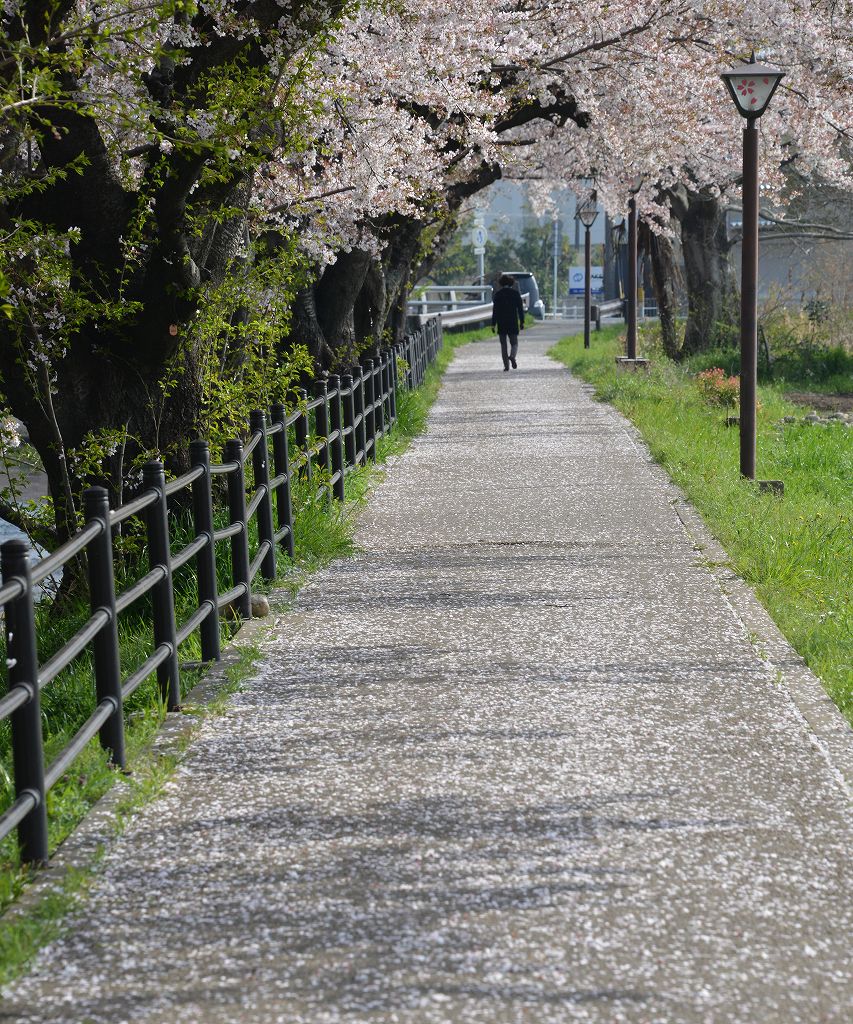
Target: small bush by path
[796,551]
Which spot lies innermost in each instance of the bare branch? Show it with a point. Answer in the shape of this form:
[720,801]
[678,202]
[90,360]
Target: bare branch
[36,530]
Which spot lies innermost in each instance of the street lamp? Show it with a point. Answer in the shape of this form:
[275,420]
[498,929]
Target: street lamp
[631,341]
[751,87]
[586,214]
[617,241]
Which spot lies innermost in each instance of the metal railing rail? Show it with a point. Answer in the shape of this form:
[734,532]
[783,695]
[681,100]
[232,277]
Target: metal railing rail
[613,307]
[453,311]
[336,430]
[449,296]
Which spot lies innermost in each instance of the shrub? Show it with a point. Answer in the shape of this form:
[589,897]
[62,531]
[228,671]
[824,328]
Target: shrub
[718,389]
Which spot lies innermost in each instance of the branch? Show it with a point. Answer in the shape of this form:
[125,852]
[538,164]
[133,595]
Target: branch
[812,234]
[602,44]
[312,199]
[563,108]
[801,227]
[35,530]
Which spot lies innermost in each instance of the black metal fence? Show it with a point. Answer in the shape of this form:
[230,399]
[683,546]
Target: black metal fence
[334,432]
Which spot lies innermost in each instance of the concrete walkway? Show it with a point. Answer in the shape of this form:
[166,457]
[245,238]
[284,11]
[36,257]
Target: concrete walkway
[519,762]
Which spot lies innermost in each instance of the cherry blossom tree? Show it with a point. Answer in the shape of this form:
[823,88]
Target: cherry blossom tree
[551,94]
[184,182]
[132,136]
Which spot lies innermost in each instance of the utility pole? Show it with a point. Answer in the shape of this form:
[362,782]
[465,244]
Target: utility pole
[479,237]
[556,220]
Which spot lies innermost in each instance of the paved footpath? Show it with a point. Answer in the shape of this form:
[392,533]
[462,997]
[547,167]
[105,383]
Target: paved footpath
[518,762]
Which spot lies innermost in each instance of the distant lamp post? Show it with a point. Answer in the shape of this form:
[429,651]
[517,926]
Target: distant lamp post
[617,240]
[751,87]
[631,344]
[586,214]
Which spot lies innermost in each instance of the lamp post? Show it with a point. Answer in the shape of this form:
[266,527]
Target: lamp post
[751,87]
[617,236]
[586,214]
[631,342]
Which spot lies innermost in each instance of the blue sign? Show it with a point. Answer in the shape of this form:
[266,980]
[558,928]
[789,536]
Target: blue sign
[577,280]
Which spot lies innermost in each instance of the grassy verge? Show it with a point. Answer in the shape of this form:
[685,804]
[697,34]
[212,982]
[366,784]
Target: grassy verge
[801,365]
[323,531]
[794,551]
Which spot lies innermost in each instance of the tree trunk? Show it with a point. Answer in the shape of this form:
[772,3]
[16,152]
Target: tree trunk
[665,281]
[399,266]
[324,313]
[377,290]
[709,277]
[358,298]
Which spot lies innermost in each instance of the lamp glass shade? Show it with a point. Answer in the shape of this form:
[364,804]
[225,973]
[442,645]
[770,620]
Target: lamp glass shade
[587,211]
[751,87]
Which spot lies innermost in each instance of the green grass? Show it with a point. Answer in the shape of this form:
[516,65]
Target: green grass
[323,531]
[21,938]
[795,551]
[38,922]
[804,367]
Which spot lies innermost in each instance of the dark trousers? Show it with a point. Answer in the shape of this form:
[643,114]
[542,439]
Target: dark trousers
[512,351]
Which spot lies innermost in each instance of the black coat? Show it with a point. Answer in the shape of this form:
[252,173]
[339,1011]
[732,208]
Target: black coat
[507,310]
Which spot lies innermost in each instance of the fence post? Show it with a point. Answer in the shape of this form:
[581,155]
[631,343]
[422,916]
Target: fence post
[206,558]
[102,594]
[393,375]
[162,594]
[380,398]
[348,402]
[22,661]
[233,452]
[369,410]
[261,470]
[335,424]
[321,423]
[361,431]
[281,464]
[301,429]
[388,387]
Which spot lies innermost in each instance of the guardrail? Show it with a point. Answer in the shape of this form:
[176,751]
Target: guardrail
[470,315]
[599,310]
[336,429]
[613,307]
[455,312]
[433,297]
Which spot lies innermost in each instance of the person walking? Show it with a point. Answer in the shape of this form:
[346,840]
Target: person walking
[508,318]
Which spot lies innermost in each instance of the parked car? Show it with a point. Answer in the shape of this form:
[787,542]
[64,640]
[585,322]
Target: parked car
[527,286]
